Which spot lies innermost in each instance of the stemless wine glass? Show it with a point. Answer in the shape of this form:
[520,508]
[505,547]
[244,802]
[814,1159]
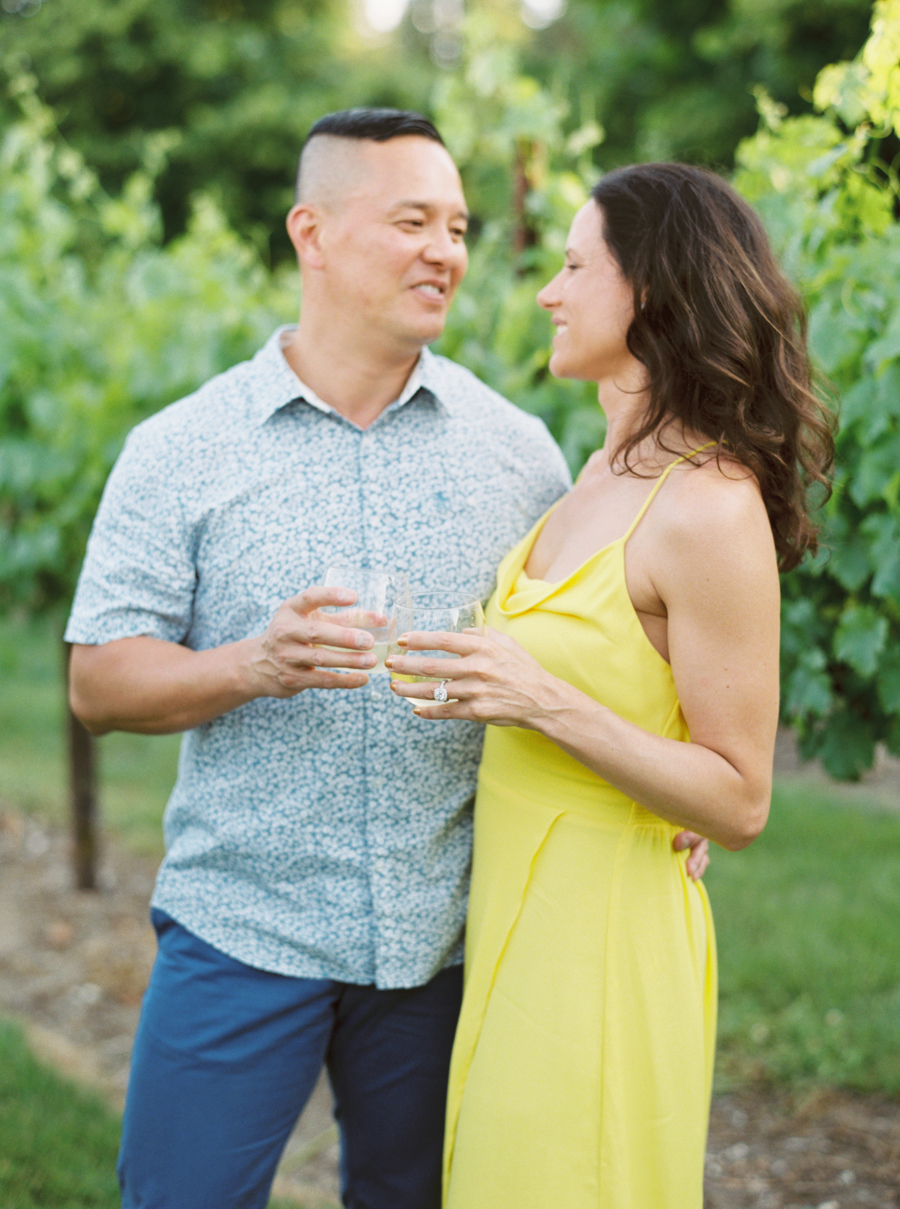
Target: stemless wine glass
[377,594]
[440,611]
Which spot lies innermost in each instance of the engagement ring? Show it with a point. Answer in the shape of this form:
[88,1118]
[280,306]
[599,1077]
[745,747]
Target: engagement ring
[440,693]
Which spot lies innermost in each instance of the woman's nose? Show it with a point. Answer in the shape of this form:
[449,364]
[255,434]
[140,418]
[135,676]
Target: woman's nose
[546,296]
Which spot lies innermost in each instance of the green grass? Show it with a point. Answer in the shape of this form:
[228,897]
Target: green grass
[808,917]
[58,1143]
[808,924]
[136,771]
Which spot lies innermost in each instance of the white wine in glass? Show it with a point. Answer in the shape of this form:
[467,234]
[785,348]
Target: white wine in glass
[442,611]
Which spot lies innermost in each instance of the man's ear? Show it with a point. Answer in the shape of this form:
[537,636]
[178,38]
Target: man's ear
[304,226]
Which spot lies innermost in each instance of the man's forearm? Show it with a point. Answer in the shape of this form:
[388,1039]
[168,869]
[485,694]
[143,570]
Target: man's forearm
[154,687]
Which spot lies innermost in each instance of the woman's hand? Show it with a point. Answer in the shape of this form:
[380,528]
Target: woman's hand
[698,858]
[493,680]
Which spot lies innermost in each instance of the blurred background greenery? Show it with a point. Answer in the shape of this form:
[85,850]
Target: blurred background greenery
[146,166]
[146,162]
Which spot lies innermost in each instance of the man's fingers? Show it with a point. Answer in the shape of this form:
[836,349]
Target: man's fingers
[318,597]
[323,656]
[323,679]
[325,633]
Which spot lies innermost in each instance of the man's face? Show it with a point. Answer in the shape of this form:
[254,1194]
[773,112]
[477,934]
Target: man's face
[393,246]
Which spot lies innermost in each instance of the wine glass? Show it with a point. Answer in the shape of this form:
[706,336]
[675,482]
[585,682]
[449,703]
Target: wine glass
[440,611]
[377,593]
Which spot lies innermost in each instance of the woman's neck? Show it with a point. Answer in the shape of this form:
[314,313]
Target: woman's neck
[653,452]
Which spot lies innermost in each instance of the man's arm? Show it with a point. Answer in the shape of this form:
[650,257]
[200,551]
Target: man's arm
[155,687]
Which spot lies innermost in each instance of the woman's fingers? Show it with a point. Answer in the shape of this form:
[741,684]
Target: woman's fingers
[432,669]
[455,644]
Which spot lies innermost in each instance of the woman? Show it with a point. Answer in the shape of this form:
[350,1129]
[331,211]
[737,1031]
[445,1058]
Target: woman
[630,677]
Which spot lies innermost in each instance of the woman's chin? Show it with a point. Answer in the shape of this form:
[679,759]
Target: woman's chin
[560,367]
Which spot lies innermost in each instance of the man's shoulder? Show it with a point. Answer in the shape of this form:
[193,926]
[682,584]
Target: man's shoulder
[217,408]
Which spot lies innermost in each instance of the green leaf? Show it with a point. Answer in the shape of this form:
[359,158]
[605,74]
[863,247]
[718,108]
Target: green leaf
[808,689]
[888,681]
[846,746]
[850,563]
[860,638]
[875,472]
[881,351]
[883,531]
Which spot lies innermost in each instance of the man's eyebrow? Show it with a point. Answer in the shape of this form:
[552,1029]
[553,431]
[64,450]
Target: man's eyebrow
[412,203]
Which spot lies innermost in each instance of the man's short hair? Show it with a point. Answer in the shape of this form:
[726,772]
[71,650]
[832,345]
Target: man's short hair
[375,125]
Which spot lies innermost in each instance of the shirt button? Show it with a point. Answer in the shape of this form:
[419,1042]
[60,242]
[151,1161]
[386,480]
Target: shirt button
[377,782]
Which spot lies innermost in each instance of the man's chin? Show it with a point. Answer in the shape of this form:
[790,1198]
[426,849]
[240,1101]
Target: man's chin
[426,333]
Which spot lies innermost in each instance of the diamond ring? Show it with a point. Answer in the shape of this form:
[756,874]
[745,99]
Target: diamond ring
[440,693]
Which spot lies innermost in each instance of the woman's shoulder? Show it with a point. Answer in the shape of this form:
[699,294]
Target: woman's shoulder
[713,498]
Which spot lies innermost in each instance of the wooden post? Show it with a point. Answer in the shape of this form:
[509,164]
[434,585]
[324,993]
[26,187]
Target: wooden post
[82,796]
[524,234]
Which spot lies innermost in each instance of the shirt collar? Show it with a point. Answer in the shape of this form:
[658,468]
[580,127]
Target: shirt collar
[274,384]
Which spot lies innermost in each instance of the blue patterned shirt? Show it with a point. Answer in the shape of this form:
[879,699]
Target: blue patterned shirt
[327,835]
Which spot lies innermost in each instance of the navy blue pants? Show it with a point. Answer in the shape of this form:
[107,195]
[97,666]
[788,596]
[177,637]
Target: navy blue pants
[226,1057]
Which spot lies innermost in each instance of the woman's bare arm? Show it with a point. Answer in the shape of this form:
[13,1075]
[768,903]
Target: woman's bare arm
[715,572]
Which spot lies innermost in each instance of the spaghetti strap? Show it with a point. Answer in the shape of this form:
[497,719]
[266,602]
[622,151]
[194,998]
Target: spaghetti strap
[659,482]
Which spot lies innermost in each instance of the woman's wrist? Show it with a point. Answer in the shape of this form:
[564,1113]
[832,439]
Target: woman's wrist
[559,709]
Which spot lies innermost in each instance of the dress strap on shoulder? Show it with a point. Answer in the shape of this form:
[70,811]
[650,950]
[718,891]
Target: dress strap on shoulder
[659,482]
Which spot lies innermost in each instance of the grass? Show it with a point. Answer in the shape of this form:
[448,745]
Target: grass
[137,771]
[58,1143]
[807,917]
[809,944]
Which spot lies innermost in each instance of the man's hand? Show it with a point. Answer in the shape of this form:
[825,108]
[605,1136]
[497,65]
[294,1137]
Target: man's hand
[295,652]
[153,687]
[698,859]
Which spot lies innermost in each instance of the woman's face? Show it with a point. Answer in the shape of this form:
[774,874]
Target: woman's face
[591,304]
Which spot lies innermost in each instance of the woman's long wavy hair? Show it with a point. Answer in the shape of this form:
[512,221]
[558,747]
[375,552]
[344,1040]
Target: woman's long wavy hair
[722,335]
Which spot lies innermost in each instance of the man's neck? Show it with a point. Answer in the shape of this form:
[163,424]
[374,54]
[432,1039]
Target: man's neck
[356,382]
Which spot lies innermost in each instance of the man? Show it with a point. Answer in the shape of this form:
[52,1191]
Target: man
[311,903]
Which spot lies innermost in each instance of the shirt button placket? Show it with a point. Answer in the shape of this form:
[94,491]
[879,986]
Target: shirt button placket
[369,475]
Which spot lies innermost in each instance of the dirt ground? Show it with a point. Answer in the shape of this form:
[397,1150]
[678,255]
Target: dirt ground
[73,967]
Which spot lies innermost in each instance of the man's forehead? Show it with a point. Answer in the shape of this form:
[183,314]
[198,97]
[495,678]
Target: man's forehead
[392,176]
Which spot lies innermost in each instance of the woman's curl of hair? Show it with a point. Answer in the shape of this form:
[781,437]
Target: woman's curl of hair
[722,335]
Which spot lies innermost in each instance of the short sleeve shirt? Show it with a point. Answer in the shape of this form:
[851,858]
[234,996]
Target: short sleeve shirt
[327,835]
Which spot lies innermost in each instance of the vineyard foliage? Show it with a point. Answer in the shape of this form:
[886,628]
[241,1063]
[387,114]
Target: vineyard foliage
[103,322]
[831,205]
[100,325]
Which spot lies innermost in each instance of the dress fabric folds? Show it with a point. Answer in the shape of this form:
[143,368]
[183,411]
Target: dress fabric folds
[582,1069]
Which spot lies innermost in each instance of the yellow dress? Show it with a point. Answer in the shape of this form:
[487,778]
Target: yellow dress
[582,1067]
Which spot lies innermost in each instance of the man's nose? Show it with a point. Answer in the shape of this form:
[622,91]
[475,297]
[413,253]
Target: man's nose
[445,247]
